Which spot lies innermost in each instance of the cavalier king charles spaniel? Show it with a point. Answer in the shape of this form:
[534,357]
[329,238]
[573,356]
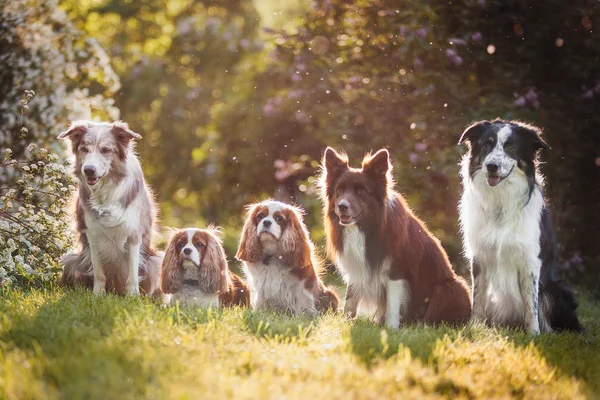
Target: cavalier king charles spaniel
[280,262]
[195,271]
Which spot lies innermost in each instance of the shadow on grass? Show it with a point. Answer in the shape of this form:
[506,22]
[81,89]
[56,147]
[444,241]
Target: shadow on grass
[572,354]
[371,342]
[74,336]
[280,328]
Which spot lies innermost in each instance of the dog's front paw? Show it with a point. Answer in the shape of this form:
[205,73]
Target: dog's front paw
[133,290]
[99,289]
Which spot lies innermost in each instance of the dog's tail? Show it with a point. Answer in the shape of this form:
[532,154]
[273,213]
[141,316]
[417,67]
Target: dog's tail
[77,270]
[450,302]
[150,274]
[559,307]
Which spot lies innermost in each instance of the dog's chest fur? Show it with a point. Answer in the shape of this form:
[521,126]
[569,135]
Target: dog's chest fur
[352,262]
[273,286]
[501,228]
[108,222]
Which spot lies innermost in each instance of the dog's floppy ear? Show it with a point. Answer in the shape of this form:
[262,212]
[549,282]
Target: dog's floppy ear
[214,272]
[74,133]
[295,242]
[249,249]
[171,275]
[123,135]
[377,164]
[474,131]
[535,134]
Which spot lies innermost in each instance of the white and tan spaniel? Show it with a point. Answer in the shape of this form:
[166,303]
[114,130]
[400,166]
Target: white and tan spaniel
[280,262]
[195,271]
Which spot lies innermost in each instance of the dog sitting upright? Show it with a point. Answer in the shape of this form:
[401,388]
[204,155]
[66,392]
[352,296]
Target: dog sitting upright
[195,271]
[395,268]
[115,212]
[280,261]
[507,231]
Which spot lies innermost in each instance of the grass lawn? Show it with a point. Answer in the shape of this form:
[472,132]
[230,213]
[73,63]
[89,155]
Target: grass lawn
[73,345]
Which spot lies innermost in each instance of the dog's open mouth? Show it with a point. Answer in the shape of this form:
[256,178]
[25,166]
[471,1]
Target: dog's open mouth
[347,219]
[92,181]
[494,180]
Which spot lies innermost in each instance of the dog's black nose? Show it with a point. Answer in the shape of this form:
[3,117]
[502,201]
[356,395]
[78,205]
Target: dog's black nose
[343,207]
[493,168]
[88,170]
[187,251]
[267,223]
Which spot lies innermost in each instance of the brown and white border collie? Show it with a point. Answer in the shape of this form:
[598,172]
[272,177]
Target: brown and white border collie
[195,271]
[115,212]
[395,268]
[280,261]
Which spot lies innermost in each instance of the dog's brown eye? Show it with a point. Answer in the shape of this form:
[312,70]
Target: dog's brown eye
[509,146]
[199,245]
[180,244]
[105,150]
[84,150]
[338,191]
[259,216]
[278,218]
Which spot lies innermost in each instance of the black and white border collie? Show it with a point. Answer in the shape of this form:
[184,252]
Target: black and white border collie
[507,232]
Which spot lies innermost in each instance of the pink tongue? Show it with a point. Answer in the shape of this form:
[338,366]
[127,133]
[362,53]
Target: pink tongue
[493,180]
[345,219]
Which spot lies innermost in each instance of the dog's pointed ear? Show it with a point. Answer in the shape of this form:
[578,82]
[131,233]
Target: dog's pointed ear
[474,131]
[334,161]
[378,164]
[536,136]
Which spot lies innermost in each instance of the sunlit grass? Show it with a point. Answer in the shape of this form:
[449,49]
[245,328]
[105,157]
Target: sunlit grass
[56,344]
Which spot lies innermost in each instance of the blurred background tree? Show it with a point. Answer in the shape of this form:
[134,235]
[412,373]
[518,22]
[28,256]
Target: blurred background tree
[50,73]
[237,100]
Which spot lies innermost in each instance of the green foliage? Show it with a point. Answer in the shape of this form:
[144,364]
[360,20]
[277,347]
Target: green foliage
[56,344]
[411,76]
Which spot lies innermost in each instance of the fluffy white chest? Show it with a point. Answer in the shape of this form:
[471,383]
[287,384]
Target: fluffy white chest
[272,286]
[502,233]
[107,221]
[353,265]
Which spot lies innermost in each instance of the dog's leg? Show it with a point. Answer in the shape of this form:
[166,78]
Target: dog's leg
[397,293]
[529,281]
[99,275]
[479,291]
[133,279]
[351,302]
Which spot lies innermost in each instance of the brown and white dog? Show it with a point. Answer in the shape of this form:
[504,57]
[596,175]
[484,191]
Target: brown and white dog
[280,262]
[394,266]
[195,271]
[115,212]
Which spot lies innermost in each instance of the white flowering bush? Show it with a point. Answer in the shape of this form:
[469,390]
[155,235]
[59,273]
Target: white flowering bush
[50,74]
[34,225]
